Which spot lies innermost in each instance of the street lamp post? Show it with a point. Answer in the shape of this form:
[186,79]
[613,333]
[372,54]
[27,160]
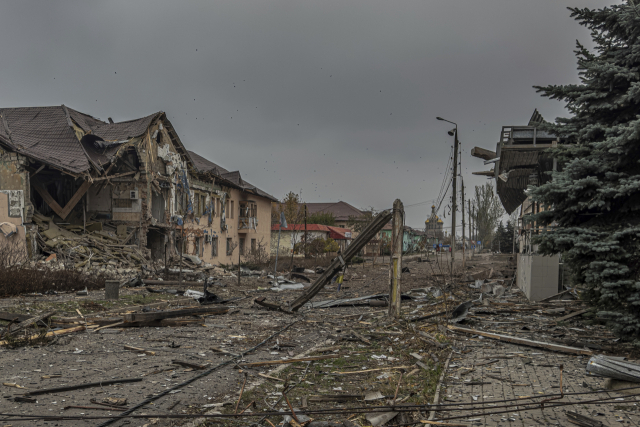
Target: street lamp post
[454,206]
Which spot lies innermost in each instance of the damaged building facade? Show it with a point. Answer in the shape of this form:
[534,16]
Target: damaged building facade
[521,160]
[132,187]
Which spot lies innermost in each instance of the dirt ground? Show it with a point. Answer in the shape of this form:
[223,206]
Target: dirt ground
[364,351]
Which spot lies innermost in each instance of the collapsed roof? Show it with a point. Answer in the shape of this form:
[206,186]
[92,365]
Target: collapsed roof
[49,135]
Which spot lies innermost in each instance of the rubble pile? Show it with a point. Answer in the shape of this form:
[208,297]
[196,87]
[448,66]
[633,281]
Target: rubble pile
[101,249]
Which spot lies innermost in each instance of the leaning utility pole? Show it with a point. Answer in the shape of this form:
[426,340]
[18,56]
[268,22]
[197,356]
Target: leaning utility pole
[396,258]
[463,239]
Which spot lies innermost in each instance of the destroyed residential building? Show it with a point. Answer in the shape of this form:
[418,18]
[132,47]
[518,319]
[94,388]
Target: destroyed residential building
[519,161]
[119,192]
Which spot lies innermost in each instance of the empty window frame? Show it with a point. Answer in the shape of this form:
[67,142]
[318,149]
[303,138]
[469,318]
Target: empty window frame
[214,246]
[229,246]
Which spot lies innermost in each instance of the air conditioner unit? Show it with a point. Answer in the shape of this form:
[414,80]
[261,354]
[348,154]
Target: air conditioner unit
[133,194]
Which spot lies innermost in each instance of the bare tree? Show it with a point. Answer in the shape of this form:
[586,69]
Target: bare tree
[293,207]
[489,210]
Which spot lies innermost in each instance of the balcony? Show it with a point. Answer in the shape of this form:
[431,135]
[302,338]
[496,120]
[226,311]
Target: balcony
[248,218]
[247,223]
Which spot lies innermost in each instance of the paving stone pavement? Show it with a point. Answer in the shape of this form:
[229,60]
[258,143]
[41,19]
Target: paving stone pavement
[494,370]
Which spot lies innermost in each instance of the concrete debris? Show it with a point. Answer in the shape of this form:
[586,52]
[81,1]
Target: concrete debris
[498,291]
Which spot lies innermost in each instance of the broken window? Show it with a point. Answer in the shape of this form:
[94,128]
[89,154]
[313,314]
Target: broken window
[231,210]
[214,246]
[229,246]
[242,245]
[253,246]
[198,242]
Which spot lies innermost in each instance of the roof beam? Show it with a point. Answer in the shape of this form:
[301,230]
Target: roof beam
[53,204]
[483,153]
[490,173]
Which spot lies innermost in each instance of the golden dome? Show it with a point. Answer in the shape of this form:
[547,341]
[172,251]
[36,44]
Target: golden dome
[440,221]
[426,222]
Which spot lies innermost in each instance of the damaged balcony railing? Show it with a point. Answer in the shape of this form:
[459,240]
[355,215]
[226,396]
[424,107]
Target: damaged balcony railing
[247,223]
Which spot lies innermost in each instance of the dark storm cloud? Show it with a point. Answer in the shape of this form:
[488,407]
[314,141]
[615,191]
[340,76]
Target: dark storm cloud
[335,98]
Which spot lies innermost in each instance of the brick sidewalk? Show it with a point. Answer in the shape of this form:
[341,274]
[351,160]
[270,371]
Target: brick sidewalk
[526,371]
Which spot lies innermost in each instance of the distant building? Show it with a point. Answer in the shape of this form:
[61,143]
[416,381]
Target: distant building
[433,228]
[341,211]
[293,235]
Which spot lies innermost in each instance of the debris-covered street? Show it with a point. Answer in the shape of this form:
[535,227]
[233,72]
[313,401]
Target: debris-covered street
[320,213]
[342,357]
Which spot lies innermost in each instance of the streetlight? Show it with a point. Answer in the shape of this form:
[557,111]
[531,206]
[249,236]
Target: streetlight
[454,133]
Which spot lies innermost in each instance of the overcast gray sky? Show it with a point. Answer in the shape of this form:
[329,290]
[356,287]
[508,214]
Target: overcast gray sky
[334,98]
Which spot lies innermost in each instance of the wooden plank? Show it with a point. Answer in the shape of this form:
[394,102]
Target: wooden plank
[53,204]
[140,350]
[118,175]
[75,199]
[523,341]
[108,326]
[31,321]
[574,314]
[159,315]
[282,362]
[49,200]
[270,377]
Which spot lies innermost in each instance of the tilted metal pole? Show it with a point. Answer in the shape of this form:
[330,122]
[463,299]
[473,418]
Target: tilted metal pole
[338,263]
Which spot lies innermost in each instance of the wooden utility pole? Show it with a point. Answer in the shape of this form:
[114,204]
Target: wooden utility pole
[396,258]
[463,239]
[305,230]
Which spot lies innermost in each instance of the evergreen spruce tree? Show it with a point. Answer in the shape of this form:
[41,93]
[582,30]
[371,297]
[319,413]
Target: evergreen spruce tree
[594,200]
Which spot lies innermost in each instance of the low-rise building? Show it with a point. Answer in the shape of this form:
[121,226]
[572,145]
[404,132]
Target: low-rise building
[292,238]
